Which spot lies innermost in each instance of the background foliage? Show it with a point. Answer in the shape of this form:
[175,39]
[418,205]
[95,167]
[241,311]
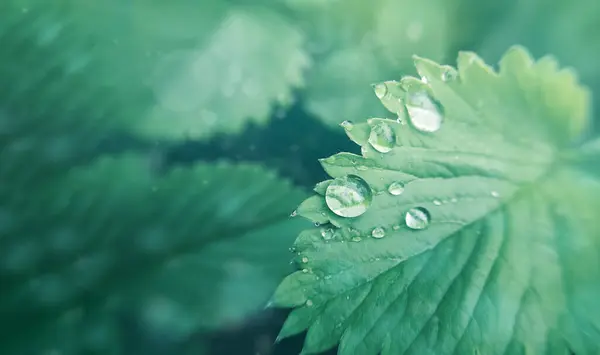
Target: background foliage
[151,151]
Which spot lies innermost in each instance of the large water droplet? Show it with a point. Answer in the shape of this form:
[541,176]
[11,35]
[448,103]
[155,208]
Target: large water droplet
[348,196]
[396,188]
[425,114]
[382,137]
[378,233]
[417,218]
[380,90]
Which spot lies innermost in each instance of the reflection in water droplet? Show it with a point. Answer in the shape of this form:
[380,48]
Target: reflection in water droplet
[495,194]
[348,196]
[396,188]
[382,137]
[347,125]
[327,233]
[380,90]
[449,73]
[425,114]
[417,218]
[437,202]
[378,233]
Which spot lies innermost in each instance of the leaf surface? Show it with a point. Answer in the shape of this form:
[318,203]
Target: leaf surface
[197,248]
[490,246]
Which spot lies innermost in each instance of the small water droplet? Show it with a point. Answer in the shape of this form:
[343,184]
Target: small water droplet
[396,227]
[437,202]
[495,194]
[417,218]
[449,73]
[292,250]
[361,168]
[425,114]
[294,214]
[424,80]
[382,137]
[327,233]
[309,303]
[347,125]
[454,200]
[378,233]
[396,188]
[356,239]
[305,271]
[327,277]
[304,259]
[348,196]
[380,90]
[317,224]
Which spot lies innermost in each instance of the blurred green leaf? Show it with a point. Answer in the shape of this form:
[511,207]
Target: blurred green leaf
[168,69]
[358,43]
[197,248]
[566,29]
[461,229]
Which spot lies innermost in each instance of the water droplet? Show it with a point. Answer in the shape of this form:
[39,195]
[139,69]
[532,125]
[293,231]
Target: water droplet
[292,250]
[378,233]
[347,125]
[294,214]
[304,259]
[424,80]
[327,233]
[356,239]
[396,227]
[454,200]
[380,90]
[417,218]
[305,271]
[382,137]
[437,202]
[348,196]
[317,224]
[449,73]
[425,114]
[396,188]
[327,277]
[309,303]
[362,168]
[495,194]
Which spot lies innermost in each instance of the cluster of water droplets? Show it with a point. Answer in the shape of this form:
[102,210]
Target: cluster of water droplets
[350,196]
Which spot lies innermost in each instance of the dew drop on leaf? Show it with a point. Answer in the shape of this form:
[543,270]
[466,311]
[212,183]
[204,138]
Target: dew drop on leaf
[396,188]
[304,259]
[348,196]
[378,233]
[495,194]
[395,227]
[356,239]
[294,214]
[382,137]
[449,74]
[380,90]
[417,218]
[437,202]
[327,233]
[425,114]
[347,125]
[362,168]
[309,303]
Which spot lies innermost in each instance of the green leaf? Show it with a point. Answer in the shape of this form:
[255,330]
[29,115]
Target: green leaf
[478,236]
[198,247]
[567,29]
[172,70]
[360,43]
